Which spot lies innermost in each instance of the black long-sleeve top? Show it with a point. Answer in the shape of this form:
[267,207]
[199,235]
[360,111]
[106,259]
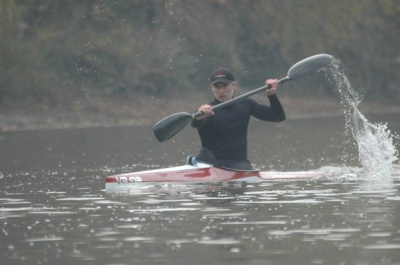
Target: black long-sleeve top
[225,132]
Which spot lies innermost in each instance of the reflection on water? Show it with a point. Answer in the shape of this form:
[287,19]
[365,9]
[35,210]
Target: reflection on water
[326,221]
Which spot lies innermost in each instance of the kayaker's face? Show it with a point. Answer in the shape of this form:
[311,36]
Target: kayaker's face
[223,91]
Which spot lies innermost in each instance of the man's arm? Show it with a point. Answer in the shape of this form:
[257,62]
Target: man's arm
[274,112]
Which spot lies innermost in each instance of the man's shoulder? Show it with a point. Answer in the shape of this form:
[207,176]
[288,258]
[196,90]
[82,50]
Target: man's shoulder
[213,102]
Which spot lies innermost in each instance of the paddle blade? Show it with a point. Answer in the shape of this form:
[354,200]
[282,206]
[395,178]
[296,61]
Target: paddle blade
[171,125]
[309,65]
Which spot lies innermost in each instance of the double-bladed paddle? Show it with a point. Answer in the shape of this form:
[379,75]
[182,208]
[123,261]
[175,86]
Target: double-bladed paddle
[171,125]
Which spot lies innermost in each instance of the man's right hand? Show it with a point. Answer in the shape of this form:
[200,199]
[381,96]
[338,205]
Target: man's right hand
[207,111]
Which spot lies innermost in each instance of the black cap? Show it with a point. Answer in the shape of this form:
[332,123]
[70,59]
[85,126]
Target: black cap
[222,75]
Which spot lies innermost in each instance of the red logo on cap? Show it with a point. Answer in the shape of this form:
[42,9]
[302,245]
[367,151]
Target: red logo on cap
[219,74]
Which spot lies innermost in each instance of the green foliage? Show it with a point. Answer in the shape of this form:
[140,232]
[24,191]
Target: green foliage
[50,50]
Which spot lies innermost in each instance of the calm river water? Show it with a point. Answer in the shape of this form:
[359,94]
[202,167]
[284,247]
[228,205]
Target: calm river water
[54,210]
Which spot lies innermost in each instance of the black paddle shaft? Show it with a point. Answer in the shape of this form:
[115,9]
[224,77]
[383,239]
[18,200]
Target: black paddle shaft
[236,99]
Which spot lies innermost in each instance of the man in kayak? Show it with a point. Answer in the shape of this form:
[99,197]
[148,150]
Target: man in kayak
[223,132]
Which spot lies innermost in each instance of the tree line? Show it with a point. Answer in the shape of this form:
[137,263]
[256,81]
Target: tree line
[53,50]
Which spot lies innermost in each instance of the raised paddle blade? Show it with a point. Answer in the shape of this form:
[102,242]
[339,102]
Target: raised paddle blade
[171,125]
[308,65]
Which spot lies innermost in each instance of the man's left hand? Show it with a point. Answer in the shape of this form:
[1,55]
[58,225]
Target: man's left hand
[274,84]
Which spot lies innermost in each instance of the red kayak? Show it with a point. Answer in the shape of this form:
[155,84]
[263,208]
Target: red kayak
[198,173]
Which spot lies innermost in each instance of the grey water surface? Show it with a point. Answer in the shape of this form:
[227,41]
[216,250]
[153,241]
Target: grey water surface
[54,210]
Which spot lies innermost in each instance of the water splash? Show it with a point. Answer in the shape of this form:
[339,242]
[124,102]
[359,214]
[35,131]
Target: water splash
[375,143]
